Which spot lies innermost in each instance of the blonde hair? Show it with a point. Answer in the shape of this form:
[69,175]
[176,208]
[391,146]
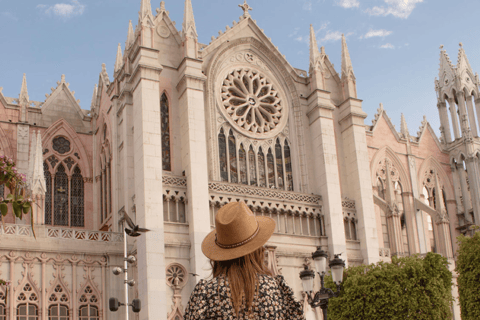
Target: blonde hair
[242,276]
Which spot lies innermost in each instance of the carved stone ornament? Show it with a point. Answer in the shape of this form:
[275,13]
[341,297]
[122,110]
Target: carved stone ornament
[163,31]
[61,145]
[252,103]
[176,275]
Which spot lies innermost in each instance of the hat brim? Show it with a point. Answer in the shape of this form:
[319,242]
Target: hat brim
[266,227]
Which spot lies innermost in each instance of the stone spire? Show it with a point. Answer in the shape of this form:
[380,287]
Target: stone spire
[446,68]
[145,9]
[31,160]
[130,36]
[403,127]
[348,77]
[23,100]
[314,52]
[38,186]
[462,62]
[189,29]
[94,98]
[347,69]
[119,60]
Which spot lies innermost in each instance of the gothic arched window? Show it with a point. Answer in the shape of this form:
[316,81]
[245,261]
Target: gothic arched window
[270,169]
[242,159]
[165,123]
[88,312]
[58,312]
[262,178]
[222,147]
[288,167]
[27,311]
[48,194]
[77,209]
[232,152]
[252,164]
[279,163]
[60,217]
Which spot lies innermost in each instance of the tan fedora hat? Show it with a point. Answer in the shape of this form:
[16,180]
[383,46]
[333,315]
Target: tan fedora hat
[238,232]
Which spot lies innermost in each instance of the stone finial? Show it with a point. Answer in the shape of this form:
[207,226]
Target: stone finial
[145,9]
[94,97]
[314,53]
[130,36]
[162,5]
[245,7]
[403,127]
[119,58]
[461,45]
[441,47]
[23,99]
[188,26]
[347,68]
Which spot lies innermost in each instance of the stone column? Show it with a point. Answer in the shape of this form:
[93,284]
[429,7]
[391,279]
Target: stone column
[357,164]
[462,109]
[453,112]
[442,108]
[147,156]
[457,189]
[194,159]
[473,178]
[409,209]
[467,203]
[326,174]
[477,107]
[471,116]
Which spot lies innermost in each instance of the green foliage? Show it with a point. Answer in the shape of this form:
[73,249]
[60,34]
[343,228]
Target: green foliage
[468,268]
[407,288]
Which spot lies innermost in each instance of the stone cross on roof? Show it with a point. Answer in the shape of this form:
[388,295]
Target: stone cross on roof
[245,7]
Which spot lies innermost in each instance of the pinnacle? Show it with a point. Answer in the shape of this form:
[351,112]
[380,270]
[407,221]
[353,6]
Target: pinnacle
[118,61]
[314,53]
[94,96]
[24,99]
[145,9]
[346,61]
[129,35]
[403,126]
[188,25]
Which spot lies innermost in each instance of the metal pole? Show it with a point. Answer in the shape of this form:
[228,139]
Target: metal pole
[125,270]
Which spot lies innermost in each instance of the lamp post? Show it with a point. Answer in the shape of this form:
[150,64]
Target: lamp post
[320,298]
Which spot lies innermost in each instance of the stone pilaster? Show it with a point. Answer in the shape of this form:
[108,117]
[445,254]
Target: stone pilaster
[327,177]
[453,112]
[147,150]
[442,108]
[194,158]
[471,116]
[351,119]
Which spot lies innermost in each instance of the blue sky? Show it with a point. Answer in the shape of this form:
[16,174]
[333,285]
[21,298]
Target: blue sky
[394,44]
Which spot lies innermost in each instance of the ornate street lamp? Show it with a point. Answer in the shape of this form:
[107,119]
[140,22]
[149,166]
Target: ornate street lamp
[320,299]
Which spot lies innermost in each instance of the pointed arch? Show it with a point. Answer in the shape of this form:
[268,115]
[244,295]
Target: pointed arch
[431,162]
[89,297]
[387,152]
[27,294]
[165,128]
[59,297]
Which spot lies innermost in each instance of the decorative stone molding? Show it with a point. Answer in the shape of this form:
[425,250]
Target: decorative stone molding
[73,234]
[270,194]
[176,278]
[348,204]
[175,181]
[384,252]
[272,260]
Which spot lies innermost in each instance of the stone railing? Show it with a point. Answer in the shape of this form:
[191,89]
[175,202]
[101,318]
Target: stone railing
[60,233]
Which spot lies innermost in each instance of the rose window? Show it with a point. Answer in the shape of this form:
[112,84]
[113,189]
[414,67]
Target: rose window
[252,102]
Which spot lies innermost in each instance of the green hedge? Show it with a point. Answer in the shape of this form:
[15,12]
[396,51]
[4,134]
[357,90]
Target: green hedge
[407,288]
[468,268]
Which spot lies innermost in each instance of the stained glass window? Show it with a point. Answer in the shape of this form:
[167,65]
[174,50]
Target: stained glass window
[252,167]
[88,312]
[242,160]
[288,167]
[27,309]
[165,121]
[58,312]
[48,194]
[233,158]
[270,169]
[222,147]
[262,179]
[279,163]
[61,144]
[77,204]
[61,197]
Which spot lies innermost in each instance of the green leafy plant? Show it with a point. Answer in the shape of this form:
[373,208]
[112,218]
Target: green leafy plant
[468,268]
[407,288]
[7,285]
[16,183]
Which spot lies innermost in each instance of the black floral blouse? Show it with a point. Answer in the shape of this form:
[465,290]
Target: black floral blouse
[211,300]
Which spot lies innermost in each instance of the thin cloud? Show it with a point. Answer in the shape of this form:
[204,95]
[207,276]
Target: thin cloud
[397,8]
[307,5]
[376,33]
[63,10]
[8,15]
[334,36]
[347,4]
[387,46]
[322,27]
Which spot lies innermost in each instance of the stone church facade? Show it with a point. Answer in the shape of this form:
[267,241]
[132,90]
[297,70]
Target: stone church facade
[183,128]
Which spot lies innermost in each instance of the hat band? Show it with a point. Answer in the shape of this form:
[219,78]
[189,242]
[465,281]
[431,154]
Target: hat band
[239,243]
